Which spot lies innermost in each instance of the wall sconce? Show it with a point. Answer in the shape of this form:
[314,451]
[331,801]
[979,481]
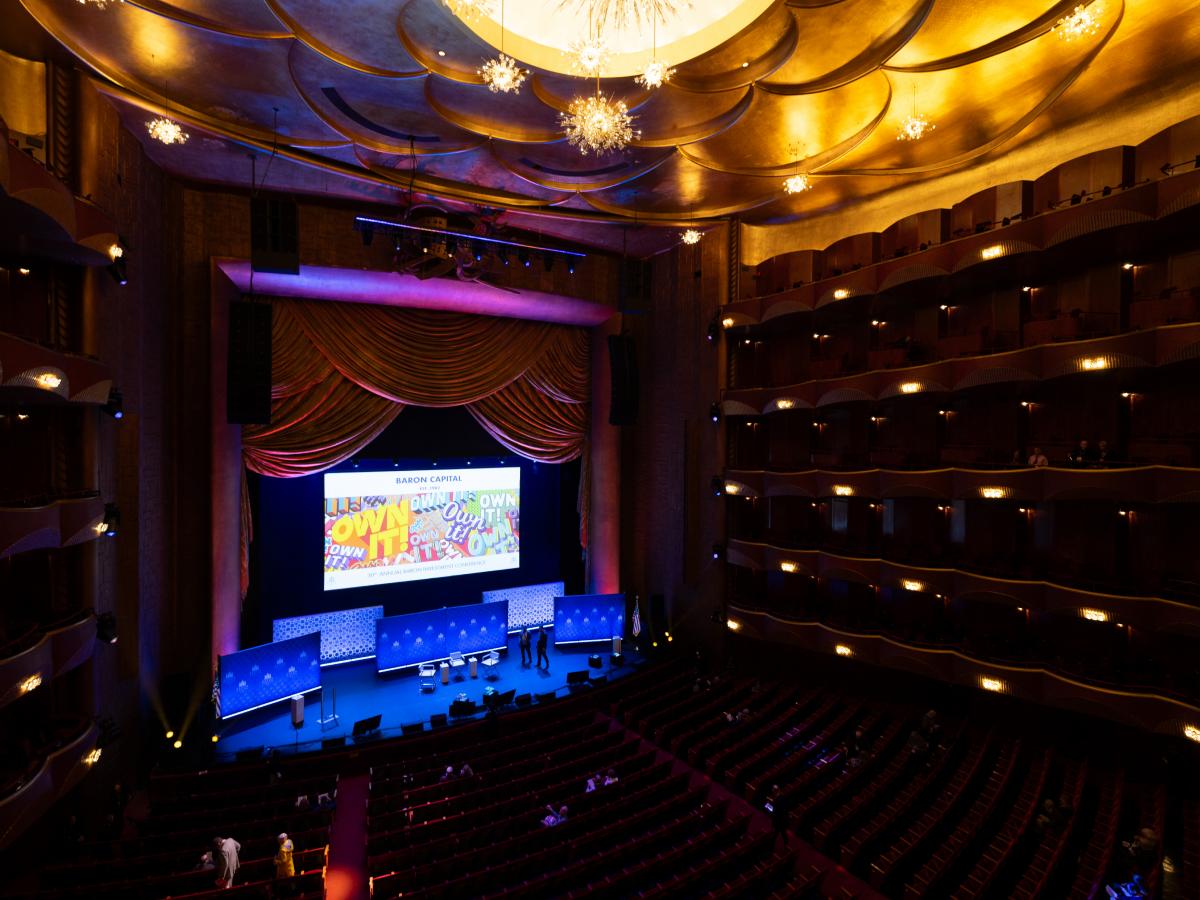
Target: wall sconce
[732,487]
[727,322]
[843,650]
[910,387]
[991,252]
[1127,266]
[1094,615]
[991,684]
[1093,363]
[733,624]
[911,585]
[92,758]
[31,683]
[47,380]
[788,566]
[784,403]
[1192,733]
[993,493]
[841,294]
[843,490]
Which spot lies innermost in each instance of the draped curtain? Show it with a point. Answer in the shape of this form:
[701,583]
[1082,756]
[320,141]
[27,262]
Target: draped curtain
[342,372]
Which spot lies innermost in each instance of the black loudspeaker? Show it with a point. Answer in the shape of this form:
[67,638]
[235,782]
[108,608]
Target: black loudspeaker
[522,699]
[366,726]
[599,680]
[438,720]
[622,359]
[248,754]
[248,387]
[577,677]
[547,697]
[413,728]
[333,743]
[274,235]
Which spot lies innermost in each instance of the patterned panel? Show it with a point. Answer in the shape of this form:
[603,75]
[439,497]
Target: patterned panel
[588,617]
[436,633]
[260,675]
[530,605]
[345,634]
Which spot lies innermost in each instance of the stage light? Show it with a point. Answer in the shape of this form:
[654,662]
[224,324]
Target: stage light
[717,484]
[170,734]
[1026,289]
[718,550]
[733,488]
[993,493]
[910,387]
[23,271]
[177,744]
[118,272]
[115,404]
[714,411]
[215,738]
[1192,733]
[570,267]
[841,294]
[784,403]
[1093,363]
[477,251]
[523,256]
[502,255]
[910,585]
[944,308]
[991,252]
[106,628]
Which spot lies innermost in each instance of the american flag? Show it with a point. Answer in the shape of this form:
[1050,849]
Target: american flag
[637,619]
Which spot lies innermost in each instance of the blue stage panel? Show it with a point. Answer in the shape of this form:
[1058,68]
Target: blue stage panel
[529,605]
[346,634]
[252,678]
[588,617]
[436,633]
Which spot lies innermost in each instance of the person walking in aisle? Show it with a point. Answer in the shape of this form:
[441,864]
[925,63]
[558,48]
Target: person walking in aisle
[225,855]
[526,653]
[541,648]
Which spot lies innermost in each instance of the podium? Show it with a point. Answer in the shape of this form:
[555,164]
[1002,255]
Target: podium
[445,667]
[473,661]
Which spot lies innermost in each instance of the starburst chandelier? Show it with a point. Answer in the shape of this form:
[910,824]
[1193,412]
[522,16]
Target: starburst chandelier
[657,72]
[589,55]
[1082,21]
[470,10]
[502,75]
[598,124]
[627,14]
[691,236]
[99,4]
[796,184]
[167,130]
[915,126]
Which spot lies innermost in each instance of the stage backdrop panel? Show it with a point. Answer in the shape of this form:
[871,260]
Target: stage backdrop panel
[588,617]
[528,606]
[260,675]
[346,634]
[432,635]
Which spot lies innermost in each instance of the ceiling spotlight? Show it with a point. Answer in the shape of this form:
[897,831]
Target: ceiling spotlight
[523,256]
[746,64]
[714,411]
[1127,266]
[570,267]
[118,271]
[112,519]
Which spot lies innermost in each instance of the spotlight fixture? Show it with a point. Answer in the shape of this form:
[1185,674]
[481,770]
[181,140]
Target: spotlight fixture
[718,550]
[717,483]
[178,744]
[106,628]
[714,411]
[502,253]
[733,624]
[523,256]
[114,406]
[170,734]
[1127,266]
[713,331]
[570,267]
[118,271]
[112,519]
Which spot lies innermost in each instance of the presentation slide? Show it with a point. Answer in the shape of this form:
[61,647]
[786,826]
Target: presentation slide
[582,618]
[420,637]
[260,675]
[407,525]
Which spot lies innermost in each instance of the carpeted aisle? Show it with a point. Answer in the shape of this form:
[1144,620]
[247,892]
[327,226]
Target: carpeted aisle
[346,877]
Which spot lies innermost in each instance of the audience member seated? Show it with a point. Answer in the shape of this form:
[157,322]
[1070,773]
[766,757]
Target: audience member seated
[1083,455]
[554,818]
[1038,459]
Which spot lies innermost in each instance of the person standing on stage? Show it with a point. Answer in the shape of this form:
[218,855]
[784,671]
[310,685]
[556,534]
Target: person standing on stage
[526,652]
[541,648]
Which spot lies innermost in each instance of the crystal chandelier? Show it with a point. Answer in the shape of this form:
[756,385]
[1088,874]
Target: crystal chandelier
[656,72]
[1082,21]
[796,184]
[691,236]
[589,55]
[598,124]
[626,14]
[167,130]
[99,4]
[470,10]
[916,126]
[502,75]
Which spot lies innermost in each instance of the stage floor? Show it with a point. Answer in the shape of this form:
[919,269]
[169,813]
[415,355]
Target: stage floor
[362,692]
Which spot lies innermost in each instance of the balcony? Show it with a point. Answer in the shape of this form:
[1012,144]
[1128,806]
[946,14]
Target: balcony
[26,795]
[33,374]
[50,523]
[42,655]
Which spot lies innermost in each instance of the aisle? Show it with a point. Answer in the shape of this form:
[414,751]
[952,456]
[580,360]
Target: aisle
[346,878]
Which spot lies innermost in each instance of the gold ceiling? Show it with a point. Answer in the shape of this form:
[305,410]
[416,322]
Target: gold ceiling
[387,91]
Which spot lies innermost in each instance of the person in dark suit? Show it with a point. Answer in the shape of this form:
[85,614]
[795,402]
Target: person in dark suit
[526,653]
[541,648]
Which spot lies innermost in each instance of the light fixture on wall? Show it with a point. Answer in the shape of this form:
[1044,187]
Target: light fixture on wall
[843,650]
[991,684]
[788,566]
[714,411]
[114,406]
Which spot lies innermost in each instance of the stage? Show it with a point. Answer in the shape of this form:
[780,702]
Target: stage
[362,692]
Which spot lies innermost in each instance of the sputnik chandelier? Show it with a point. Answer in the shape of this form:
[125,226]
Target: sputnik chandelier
[623,14]
[915,126]
[99,4]
[1082,21]
[502,75]
[798,182]
[598,124]
[470,10]
[657,72]
[167,130]
[691,236]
